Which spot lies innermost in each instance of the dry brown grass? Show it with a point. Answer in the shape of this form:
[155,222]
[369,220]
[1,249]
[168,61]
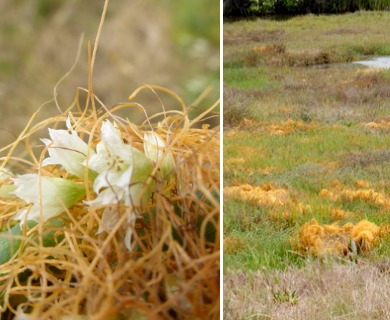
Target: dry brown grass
[244,37]
[347,240]
[173,271]
[318,291]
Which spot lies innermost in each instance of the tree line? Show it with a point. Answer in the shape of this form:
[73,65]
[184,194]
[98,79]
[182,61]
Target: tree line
[266,7]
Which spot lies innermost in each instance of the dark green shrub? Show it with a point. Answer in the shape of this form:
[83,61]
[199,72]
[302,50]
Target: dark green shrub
[261,7]
[236,7]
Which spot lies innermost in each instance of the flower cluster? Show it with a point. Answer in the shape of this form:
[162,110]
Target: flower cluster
[118,172]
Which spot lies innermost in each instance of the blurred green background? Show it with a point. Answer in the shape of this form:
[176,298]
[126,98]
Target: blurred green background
[170,43]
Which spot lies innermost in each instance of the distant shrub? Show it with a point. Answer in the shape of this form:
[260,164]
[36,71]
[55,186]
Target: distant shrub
[260,7]
[237,7]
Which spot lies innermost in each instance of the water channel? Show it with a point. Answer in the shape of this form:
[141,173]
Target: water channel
[380,62]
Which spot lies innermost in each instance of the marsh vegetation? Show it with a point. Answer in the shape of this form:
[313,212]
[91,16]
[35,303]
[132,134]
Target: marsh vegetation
[306,166]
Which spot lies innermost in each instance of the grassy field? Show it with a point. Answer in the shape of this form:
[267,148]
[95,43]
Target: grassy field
[306,168]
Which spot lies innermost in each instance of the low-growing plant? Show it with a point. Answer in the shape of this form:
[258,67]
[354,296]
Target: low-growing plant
[320,290]
[109,219]
[238,107]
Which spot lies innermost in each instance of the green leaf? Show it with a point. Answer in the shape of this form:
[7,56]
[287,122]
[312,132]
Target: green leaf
[9,243]
[10,240]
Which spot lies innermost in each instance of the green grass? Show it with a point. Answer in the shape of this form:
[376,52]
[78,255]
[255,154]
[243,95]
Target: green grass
[320,145]
[299,69]
[246,78]
[264,245]
[299,163]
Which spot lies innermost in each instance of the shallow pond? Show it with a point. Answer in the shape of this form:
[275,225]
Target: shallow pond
[380,62]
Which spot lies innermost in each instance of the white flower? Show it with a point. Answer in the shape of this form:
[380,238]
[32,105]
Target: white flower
[122,173]
[154,148]
[123,169]
[49,196]
[66,148]
[111,217]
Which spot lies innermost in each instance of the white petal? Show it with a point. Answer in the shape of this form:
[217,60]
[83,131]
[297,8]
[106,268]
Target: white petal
[124,179]
[21,215]
[51,196]
[113,142]
[46,141]
[153,146]
[49,161]
[62,138]
[68,124]
[126,153]
[129,233]
[113,177]
[107,179]
[111,195]
[100,161]
[110,218]
[26,187]
[67,149]
[111,136]
[20,315]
